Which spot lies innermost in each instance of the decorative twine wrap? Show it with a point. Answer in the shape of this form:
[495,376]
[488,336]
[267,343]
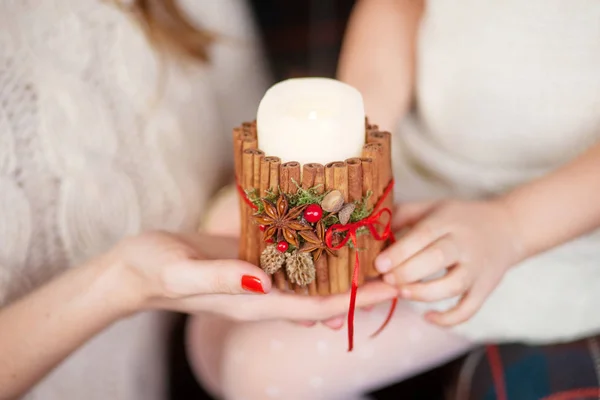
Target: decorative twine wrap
[357,243]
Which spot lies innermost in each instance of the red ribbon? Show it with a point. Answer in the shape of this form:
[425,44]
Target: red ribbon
[245,197]
[371,222]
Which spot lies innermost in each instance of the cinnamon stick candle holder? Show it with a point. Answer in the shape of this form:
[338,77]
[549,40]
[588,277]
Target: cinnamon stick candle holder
[310,226]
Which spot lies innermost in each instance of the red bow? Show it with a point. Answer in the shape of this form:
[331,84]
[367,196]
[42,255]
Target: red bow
[371,222]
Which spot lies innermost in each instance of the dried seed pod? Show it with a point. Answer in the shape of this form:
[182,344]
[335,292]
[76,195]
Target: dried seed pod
[346,212]
[300,268]
[271,259]
[333,201]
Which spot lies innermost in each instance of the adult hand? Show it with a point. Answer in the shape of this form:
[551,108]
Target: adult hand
[168,271]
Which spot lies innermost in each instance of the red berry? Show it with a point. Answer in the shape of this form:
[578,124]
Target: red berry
[313,213]
[282,246]
[270,241]
[262,228]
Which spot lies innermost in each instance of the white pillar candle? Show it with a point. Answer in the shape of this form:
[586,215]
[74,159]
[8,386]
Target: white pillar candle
[311,120]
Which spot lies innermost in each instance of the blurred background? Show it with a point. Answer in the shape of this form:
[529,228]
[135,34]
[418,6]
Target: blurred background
[303,38]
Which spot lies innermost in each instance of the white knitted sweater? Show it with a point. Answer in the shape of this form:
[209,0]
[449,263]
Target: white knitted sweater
[93,148]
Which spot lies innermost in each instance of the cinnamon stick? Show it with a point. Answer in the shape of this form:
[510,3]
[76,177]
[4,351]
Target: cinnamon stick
[374,151]
[262,192]
[371,128]
[246,182]
[237,152]
[355,179]
[340,178]
[332,261]
[355,183]
[265,173]
[290,177]
[366,243]
[274,165]
[250,128]
[385,169]
[248,143]
[253,232]
[310,174]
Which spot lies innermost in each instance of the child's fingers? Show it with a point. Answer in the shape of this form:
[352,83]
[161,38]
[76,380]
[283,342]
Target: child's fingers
[410,213]
[438,256]
[465,309]
[455,283]
[406,247]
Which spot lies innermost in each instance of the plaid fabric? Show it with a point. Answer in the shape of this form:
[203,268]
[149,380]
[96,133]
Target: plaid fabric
[302,37]
[516,372]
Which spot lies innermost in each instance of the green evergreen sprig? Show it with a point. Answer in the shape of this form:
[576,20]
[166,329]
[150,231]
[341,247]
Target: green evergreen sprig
[309,196]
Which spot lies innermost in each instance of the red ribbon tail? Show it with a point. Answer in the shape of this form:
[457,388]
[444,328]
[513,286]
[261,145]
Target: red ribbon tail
[352,307]
[387,319]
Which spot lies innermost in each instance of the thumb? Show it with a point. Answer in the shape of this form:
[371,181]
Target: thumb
[407,214]
[193,277]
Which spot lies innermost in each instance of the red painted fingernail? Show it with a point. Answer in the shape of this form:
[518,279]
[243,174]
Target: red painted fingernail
[252,284]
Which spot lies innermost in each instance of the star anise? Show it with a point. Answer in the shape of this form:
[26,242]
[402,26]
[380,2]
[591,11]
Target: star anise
[315,242]
[280,222]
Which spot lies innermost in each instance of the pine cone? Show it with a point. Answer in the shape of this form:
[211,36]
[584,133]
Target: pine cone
[271,259]
[300,268]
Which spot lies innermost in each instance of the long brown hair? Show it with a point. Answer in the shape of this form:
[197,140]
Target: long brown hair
[169,29]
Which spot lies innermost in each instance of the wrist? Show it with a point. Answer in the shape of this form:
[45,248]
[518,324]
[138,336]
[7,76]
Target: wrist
[518,236]
[117,286]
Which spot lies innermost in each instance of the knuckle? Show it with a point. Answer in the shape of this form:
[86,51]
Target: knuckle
[465,312]
[403,275]
[456,287]
[427,232]
[168,289]
[220,284]
[438,255]
[463,316]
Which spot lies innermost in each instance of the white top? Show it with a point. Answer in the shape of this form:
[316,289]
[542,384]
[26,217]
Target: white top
[92,150]
[508,91]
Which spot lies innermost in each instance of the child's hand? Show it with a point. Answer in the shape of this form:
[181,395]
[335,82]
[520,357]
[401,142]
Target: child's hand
[476,241]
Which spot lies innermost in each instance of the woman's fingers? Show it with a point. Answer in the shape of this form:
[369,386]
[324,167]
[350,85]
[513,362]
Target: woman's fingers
[294,307]
[408,246]
[287,306]
[306,324]
[369,294]
[335,323]
[434,258]
[453,284]
[194,277]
